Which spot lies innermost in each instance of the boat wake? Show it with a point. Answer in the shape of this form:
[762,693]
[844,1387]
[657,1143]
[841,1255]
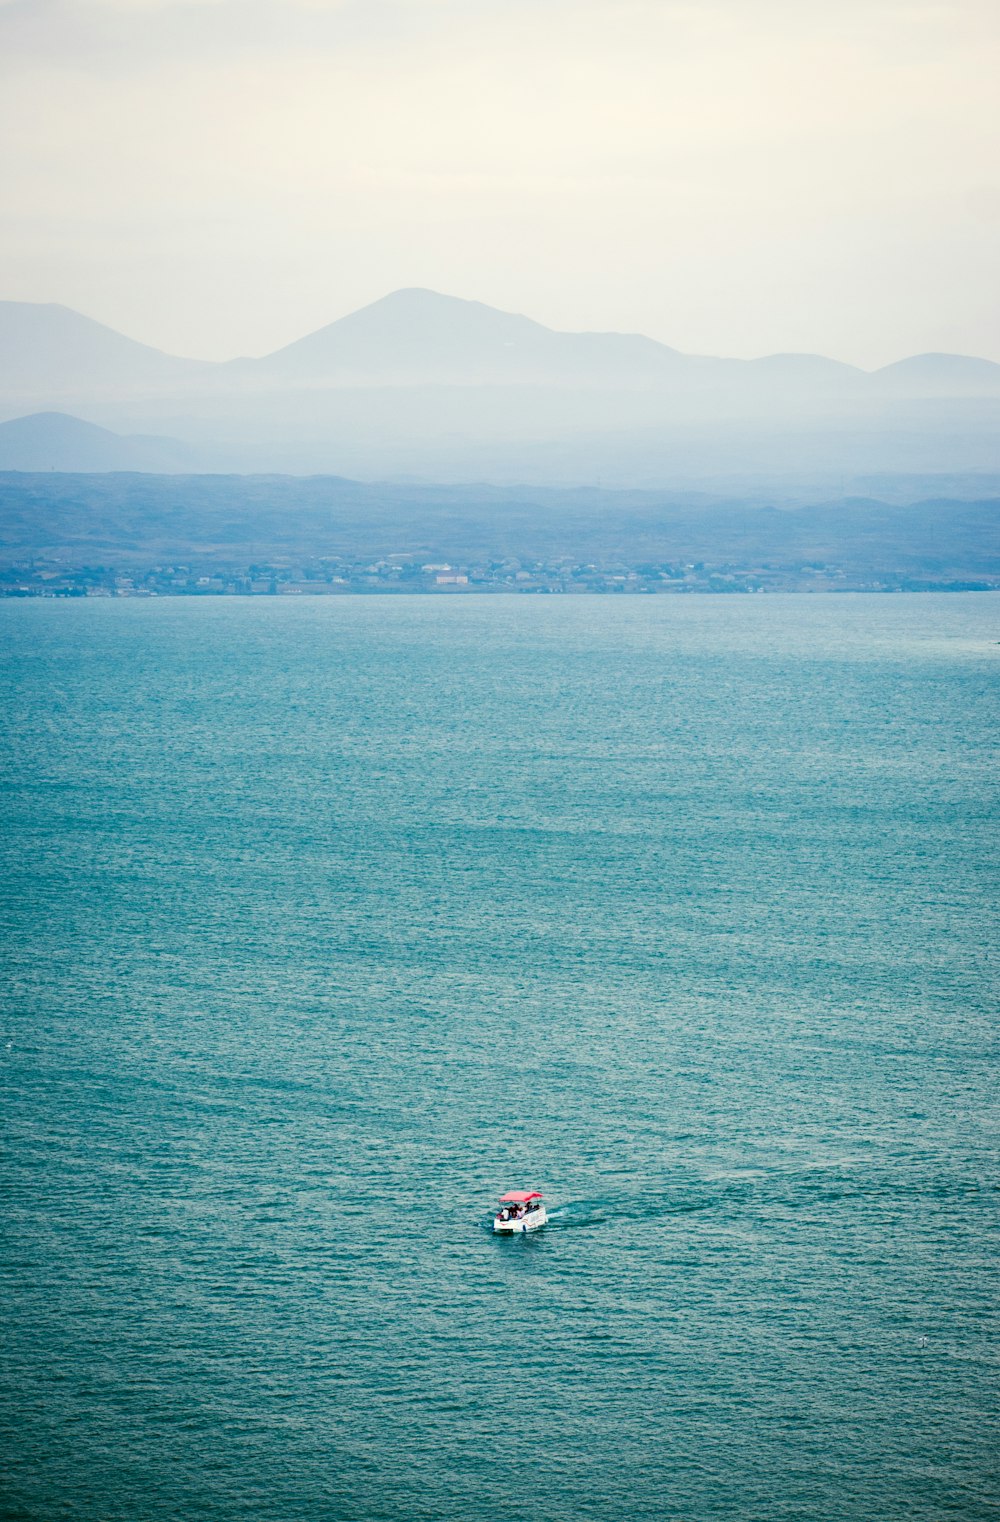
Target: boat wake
[580,1213]
[575,1213]
[732,1193]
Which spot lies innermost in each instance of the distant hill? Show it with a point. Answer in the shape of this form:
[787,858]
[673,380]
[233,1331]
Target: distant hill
[51,351]
[234,521]
[56,441]
[938,375]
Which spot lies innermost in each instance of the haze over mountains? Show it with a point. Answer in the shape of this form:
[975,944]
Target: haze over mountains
[426,386]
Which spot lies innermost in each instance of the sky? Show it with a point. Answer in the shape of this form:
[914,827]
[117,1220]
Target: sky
[743,177]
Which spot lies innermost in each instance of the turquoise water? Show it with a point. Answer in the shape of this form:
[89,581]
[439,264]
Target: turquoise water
[326,921]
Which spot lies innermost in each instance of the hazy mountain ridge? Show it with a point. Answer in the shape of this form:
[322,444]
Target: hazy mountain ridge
[48,349]
[419,337]
[376,436]
[416,336]
[57,441]
[425,385]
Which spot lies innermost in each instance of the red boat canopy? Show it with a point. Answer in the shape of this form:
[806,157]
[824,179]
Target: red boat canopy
[519,1197]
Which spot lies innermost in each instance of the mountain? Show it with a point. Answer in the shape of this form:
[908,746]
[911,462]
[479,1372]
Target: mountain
[426,386]
[938,375]
[56,441]
[50,351]
[419,337]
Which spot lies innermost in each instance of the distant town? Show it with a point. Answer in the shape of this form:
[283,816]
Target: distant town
[121,535]
[330,577]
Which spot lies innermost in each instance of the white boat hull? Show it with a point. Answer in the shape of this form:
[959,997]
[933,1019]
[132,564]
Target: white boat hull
[529,1222]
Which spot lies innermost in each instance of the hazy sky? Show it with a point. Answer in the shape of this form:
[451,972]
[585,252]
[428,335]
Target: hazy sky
[730,176]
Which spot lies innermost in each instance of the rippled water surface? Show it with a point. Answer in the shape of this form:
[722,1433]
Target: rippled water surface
[326,921]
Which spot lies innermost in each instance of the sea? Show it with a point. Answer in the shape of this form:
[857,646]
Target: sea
[325,921]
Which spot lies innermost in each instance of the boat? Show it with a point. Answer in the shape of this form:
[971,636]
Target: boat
[520,1210]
